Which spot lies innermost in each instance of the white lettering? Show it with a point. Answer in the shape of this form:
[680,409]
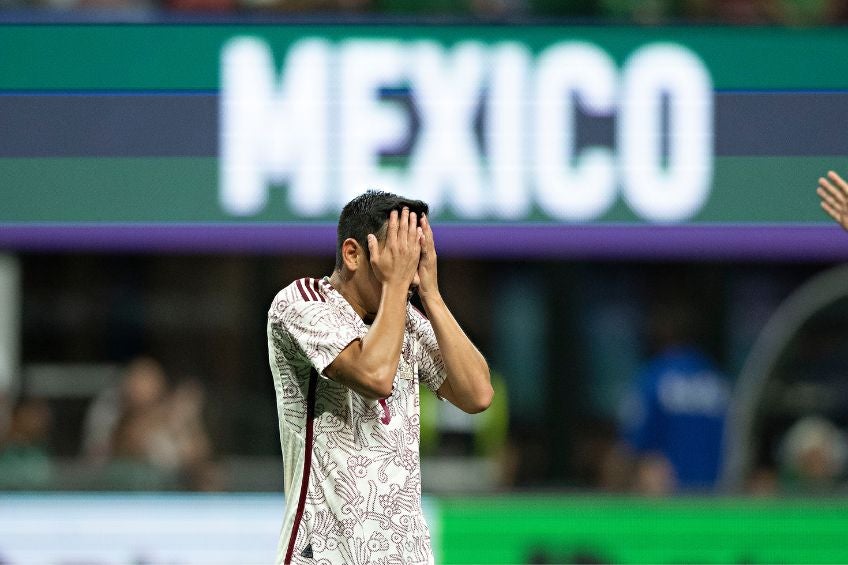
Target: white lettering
[506,134]
[368,125]
[270,136]
[677,191]
[445,161]
[571,186]
[321,128]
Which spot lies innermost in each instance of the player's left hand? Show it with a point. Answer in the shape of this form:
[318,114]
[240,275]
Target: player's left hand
[428,284]
[833,192]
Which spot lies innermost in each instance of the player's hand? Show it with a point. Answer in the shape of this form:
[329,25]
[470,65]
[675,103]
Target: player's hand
[428,284]
[396,261]
[833,192]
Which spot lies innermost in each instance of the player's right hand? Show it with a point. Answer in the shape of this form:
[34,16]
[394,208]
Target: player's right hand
[395,261]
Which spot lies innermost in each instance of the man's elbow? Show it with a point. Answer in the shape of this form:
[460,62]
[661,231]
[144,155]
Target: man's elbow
[378,384]
[481,401]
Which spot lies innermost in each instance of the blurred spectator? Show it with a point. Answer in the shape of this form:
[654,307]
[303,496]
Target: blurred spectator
[557,8]
[163,444]
[762,482]
[428,7]
[201,5]
[735,12]
[639,11]
[184,440]
[304,6]
[812,456]
[25,463]
[131,466]
[673,418]
[142,387]
[600,460]
[95,5]
[646,12]
[838,12]
[181,444]
[810,12]
[498,8]
[765,12]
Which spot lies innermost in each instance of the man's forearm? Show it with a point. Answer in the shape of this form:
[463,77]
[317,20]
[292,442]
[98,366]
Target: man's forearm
[467,370]
[382,344]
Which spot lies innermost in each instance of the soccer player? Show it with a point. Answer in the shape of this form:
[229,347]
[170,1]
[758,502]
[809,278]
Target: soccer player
[347,353]
[833,192]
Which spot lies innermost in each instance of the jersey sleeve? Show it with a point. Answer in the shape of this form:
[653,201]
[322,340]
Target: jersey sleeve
[431,366]
[320,329]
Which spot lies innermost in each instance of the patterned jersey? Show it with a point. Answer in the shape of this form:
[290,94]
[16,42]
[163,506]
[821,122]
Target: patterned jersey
[351,465]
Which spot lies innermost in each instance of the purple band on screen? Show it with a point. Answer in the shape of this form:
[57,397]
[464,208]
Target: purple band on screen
[491,241]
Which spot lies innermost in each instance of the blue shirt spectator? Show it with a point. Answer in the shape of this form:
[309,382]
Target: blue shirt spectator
[676,410]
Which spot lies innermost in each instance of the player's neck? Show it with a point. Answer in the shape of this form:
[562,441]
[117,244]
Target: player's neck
[345,286]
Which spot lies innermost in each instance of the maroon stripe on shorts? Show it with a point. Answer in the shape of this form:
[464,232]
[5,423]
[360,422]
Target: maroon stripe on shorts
[307,462]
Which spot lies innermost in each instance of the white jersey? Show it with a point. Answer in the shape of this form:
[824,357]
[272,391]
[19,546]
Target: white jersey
[352,471]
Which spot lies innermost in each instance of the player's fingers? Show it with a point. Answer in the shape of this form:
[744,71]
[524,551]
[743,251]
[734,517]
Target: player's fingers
[415,238]
[403,226]
[831,211]
[827,188]
[836,186]
[391,233]
[413,227]
[827,197]
[427,230]
[424,249]
[373,247]
[840,182]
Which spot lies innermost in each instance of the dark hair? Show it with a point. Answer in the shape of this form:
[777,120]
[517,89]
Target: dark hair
[368,213]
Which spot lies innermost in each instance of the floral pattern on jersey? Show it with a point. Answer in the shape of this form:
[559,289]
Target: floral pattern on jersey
[363,502]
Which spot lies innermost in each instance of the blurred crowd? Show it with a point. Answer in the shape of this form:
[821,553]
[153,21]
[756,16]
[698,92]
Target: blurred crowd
[143,433]
[148,431]
[737,12]
[671,436]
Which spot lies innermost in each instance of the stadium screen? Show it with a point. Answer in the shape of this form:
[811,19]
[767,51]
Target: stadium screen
[526,140]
